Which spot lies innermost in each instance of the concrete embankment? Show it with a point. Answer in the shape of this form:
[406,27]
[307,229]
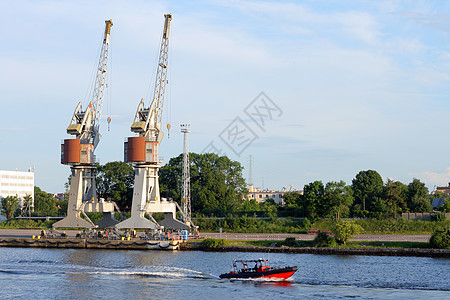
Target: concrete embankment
[436,253]
[90,243]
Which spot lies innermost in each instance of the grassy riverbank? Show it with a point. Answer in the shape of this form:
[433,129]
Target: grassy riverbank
[296,225]
[359,244]
[288,225]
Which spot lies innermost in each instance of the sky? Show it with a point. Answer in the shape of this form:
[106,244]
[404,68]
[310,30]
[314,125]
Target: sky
[311,90]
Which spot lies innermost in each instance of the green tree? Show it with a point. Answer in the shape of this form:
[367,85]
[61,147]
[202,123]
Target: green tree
[293,204]
[367,190]
[292,199]
[313,200]
[115,181]
[62,206]
[272,212]
[445,208]
[44,203]
[27,205]
[338,198]
[217,185]
[9,206]
[250,206]
[345,230]
[396,194]
[418,200]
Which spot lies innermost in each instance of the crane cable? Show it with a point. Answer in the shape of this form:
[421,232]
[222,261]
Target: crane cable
[90,88]
[153,79]
[109,87]
[169,98]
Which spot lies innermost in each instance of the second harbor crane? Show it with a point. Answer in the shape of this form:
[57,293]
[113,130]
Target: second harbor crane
[143,150]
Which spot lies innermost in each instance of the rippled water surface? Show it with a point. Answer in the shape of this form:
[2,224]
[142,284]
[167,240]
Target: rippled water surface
[114,274]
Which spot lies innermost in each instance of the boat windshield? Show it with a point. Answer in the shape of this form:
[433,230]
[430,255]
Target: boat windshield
[252,265]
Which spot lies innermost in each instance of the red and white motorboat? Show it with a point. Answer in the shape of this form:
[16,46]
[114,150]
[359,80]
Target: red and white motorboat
[241,269]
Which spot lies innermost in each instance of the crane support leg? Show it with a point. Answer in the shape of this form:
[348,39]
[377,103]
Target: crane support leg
[142,187]
[75,206]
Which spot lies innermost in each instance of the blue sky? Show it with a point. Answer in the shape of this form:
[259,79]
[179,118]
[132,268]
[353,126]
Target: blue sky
[358,84]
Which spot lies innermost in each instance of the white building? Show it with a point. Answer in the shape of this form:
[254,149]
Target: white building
[262,196]
[16,183]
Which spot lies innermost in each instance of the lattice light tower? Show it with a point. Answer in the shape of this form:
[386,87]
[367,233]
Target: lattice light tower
[186,188]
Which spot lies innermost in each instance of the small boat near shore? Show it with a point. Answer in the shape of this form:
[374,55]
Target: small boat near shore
[241,269]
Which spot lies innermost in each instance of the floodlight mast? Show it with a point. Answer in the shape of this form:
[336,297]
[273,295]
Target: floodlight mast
[186,178]
[79,151]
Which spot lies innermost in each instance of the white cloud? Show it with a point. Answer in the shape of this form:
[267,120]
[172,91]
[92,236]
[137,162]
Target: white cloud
[361,25]
[432,178]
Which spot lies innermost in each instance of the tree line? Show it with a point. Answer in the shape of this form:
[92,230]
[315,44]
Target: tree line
[219,189]
[367,196]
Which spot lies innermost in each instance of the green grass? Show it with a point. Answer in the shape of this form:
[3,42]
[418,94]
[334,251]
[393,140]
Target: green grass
[295,225]
[370,244]
[363,244]
[25,223]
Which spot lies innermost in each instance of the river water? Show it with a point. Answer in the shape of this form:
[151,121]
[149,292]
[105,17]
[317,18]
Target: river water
[29,273]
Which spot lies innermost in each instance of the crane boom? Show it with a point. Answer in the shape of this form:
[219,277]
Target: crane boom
[100,82]
[85,124]
[147,121]
[161,76]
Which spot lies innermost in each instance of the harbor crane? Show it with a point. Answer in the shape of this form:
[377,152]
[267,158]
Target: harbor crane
[142,150]
[78,153]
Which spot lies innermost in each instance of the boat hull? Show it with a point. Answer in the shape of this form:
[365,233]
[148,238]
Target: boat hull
[283,273]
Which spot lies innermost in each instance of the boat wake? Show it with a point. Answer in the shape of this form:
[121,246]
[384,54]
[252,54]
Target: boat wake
[155,272]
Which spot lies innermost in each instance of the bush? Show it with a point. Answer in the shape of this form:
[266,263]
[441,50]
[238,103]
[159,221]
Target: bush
[26,223]
[290,241]
[213,243]
[306,223]
[344,230]
[440,217]
[440,239]
[324,240]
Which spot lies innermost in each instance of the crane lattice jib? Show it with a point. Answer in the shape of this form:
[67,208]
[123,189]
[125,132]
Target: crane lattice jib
[161,76]
[100,80]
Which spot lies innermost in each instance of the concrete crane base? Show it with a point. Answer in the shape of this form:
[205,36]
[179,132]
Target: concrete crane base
[72,221]
[137,223]
[107,221]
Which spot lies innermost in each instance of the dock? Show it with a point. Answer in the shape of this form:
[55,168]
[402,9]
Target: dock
[91,243]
